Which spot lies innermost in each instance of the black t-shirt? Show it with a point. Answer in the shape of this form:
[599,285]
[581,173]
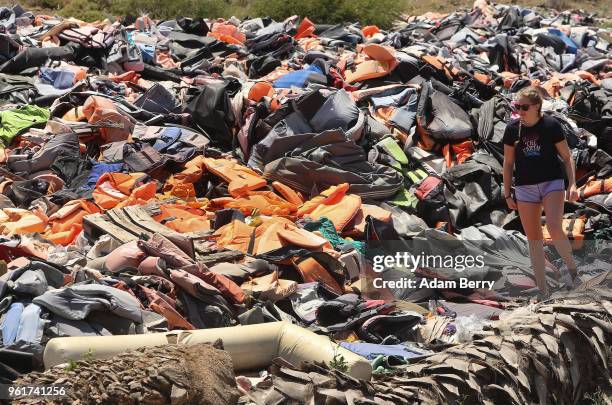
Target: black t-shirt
[536,157]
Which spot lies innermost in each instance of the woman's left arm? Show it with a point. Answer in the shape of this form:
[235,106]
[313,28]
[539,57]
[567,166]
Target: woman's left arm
[565,153]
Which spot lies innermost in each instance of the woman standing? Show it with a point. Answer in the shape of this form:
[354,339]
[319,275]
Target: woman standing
[532,146]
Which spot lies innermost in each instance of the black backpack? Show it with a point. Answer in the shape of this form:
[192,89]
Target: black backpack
[141,157]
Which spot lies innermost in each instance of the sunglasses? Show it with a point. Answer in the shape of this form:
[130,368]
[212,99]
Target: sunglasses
[523,107]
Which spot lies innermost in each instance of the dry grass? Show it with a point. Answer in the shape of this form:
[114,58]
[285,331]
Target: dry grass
[601,7]
[412,7]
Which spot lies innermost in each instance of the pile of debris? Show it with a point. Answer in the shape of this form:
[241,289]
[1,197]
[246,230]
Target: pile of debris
[200,174]
[554,352]
[180,375]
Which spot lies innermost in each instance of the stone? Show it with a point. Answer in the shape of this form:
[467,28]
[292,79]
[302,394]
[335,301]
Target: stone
[178,395]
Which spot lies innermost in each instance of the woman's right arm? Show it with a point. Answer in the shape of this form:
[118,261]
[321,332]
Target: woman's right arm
[508,169]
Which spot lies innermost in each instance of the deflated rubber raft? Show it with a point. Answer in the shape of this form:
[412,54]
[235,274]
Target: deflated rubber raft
[251,347]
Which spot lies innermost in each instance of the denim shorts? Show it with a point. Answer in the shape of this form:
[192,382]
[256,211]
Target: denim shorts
[535,193]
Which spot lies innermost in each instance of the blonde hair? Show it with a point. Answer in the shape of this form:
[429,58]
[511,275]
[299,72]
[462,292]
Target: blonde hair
[533,94]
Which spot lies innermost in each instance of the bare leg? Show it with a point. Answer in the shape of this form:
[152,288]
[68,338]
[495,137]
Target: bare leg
[530,214]
[553,209]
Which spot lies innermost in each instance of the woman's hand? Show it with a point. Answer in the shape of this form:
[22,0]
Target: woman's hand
[507,175]
[511,203]
[571,194]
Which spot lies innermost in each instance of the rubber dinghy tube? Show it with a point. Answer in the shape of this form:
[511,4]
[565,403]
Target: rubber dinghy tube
[250,346]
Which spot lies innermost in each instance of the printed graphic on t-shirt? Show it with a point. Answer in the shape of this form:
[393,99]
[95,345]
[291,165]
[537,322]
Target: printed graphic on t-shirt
[531,147]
